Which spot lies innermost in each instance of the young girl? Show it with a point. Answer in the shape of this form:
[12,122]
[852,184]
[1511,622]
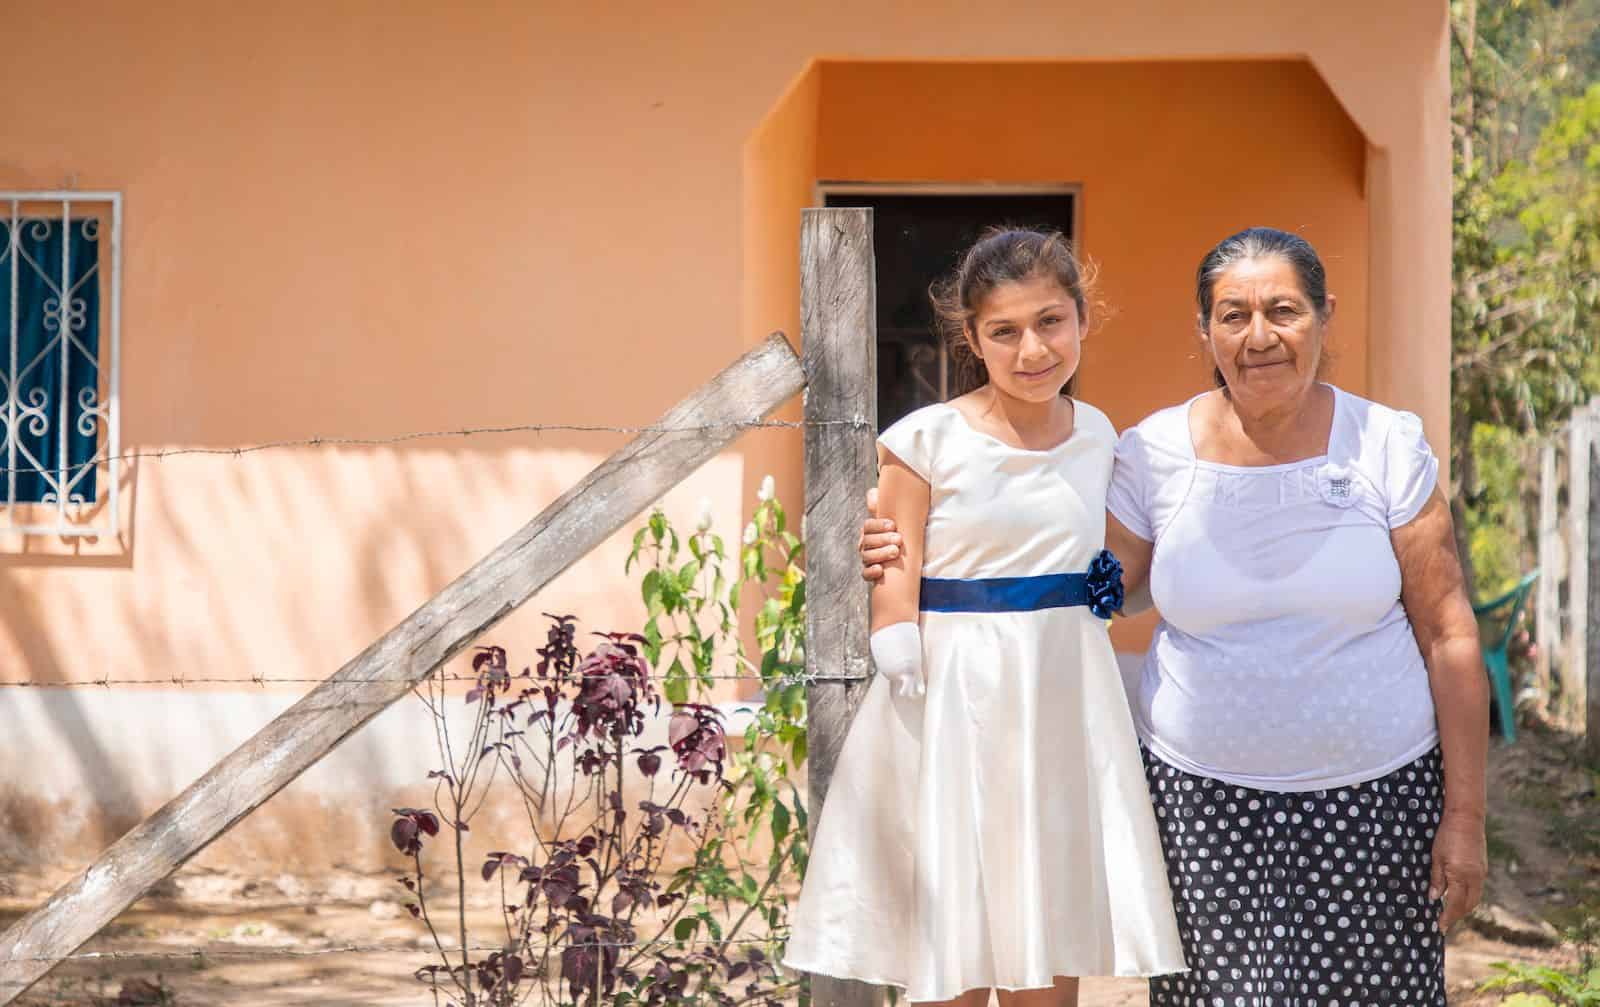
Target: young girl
[988,824]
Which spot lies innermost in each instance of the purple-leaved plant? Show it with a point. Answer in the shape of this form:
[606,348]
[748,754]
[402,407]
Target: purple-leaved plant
[590,912]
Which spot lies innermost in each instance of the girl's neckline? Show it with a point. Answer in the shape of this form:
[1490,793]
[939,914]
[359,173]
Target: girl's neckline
[1327,451]
[961,418]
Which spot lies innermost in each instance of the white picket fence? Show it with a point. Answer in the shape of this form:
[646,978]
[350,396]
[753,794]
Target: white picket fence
[1567,605]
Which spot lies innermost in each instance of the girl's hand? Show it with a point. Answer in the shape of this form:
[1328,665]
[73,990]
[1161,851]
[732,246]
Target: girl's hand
[1460,861]
[880,543]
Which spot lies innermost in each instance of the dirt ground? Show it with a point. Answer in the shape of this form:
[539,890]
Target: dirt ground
[273,939]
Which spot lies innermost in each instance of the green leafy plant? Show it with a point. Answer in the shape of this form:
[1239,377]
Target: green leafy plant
[1579,987]
[593,913]
[1526,240]
[693,611]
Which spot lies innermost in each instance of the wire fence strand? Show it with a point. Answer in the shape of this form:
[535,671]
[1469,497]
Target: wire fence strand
[422,947]
[857,423]
[161,454]
[264,680]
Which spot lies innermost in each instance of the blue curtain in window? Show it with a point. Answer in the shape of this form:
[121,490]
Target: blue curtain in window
[43,313]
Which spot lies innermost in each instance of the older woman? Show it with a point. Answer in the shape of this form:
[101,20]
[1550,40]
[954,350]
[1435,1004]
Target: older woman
[1313,709]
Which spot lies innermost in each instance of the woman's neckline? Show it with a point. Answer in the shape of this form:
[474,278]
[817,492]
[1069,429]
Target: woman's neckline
[961,418]
[1333,427]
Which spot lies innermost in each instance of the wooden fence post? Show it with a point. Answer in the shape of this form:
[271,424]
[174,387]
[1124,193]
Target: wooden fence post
[1574,677]
[1590,613]
[690,435]
[1547,591]
[838,344]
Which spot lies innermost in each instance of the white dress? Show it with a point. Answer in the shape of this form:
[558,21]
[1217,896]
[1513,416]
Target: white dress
[996,832]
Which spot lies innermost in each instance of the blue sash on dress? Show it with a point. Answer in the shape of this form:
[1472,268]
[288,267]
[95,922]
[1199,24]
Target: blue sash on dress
[1100,589]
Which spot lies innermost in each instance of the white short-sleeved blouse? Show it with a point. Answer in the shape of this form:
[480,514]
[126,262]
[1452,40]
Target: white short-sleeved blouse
[1283,660]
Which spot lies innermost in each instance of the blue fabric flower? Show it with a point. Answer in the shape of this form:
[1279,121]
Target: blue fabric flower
[1104,582]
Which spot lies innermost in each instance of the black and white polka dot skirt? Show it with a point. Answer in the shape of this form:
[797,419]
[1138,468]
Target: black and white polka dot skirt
[1314,898]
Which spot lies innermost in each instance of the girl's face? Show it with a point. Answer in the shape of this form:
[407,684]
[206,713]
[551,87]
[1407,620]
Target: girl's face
[1264,334]
[1029,336]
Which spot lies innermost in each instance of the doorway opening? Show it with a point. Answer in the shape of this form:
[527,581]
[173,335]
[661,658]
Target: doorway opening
[918,232]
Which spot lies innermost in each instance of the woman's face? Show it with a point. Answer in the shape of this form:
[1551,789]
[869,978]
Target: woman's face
[1263,333]
[1029,336]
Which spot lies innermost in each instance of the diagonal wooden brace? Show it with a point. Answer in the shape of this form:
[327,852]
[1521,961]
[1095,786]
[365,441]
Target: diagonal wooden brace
[693,432]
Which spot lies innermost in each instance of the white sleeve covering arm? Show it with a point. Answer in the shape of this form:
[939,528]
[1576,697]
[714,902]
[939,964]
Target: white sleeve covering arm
[897,653]
[1411,470]
[1128,494]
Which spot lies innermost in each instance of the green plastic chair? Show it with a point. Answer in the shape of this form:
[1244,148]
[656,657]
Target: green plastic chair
[1495,657]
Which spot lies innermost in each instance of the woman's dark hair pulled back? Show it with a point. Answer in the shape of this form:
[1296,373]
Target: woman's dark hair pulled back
[1260,243]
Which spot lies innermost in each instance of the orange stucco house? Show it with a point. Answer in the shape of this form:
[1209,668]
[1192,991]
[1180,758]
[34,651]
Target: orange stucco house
[361,220]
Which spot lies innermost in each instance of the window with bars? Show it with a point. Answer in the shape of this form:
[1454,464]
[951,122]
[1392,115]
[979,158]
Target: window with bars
[57,380]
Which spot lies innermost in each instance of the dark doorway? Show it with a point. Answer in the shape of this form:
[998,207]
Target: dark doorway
[916,239]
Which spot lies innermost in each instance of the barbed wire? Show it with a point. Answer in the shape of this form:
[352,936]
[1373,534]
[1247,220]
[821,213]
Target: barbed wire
[235,452]
[263,680]
[397,949]
[161,454]
[419,947]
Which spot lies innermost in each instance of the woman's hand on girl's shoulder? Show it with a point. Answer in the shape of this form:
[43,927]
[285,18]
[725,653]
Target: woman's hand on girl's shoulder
[880,543]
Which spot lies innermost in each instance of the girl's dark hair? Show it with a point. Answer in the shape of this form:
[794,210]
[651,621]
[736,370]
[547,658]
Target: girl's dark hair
[1260,243]
[1001,255]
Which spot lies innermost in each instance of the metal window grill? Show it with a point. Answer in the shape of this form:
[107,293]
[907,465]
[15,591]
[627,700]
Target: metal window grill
[59,426]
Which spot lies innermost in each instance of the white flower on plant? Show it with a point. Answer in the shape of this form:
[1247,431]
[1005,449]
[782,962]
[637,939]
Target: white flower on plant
[704,523]
[768,490]
[750,534]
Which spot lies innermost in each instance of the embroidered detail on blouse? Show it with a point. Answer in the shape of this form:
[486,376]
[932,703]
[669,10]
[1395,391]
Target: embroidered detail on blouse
[1336,484]
[1258,491]
[1326,482]
[1302,485]
[1227,488]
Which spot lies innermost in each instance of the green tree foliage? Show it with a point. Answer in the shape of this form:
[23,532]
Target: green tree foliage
[1501,523]
[1525,120]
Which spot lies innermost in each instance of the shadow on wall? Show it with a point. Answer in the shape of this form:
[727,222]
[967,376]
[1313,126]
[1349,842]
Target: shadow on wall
[278,565]
[102,805]
[337,815]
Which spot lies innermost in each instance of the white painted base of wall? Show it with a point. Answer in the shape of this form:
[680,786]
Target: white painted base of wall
[83,765]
